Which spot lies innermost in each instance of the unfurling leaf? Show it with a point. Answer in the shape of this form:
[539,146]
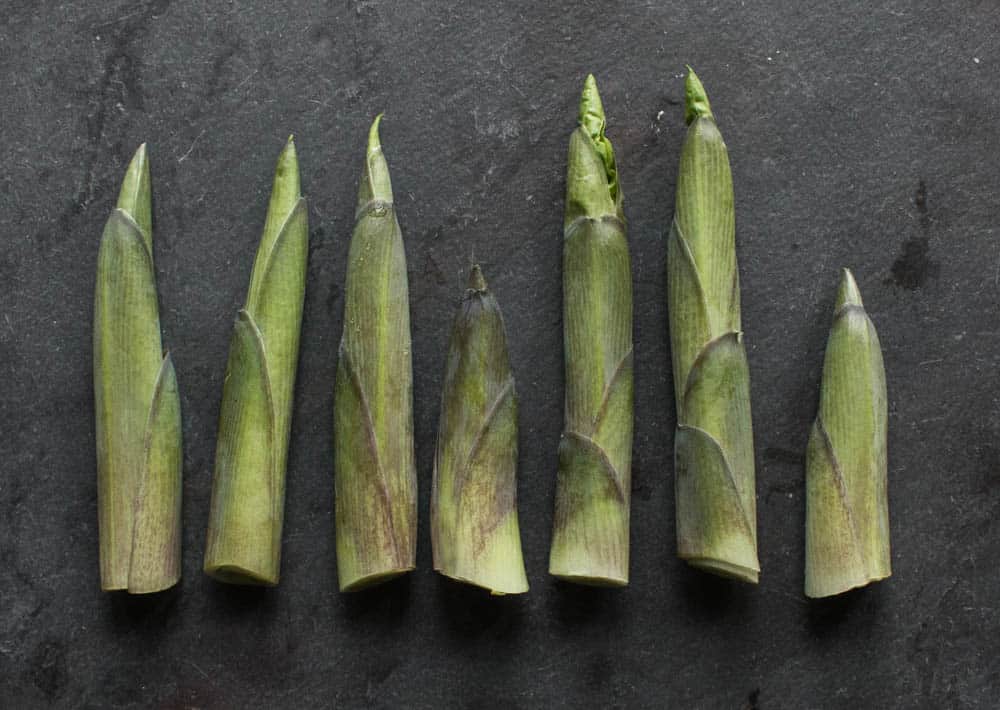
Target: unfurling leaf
[590,541]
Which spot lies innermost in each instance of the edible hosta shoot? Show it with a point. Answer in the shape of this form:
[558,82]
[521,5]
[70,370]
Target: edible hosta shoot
[847,508]
[474,528]
[376,476]
[138,413]
[248,495]
[590,541]
[713,447]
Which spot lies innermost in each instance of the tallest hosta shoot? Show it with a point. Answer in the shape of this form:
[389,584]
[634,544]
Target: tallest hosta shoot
[138,411]
[376,475]
[713,448]
[590,541]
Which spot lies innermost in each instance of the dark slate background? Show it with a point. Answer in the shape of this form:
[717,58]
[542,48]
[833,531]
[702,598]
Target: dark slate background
[860,136]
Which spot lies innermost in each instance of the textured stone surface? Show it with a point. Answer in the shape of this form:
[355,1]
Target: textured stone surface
[861,135]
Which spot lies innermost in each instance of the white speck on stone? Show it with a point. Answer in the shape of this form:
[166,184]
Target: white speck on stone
[659,114]
[770,59]
[504,129]
[976,60]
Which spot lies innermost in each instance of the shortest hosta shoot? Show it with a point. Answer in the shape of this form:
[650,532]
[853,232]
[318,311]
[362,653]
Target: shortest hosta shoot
[248,493]
[847,509]
[138,414]
[474,526]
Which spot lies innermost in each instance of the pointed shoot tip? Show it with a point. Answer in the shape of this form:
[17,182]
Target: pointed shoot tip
[286,188]
[477,282]
[374,142]
[695,99]
[289,152]
[847,293]
[591,107]
[376,184]
[139,161]
[134,197]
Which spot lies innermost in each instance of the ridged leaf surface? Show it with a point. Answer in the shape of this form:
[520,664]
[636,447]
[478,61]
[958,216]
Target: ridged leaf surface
[590,542]
[248,494]
[713,450]
[847,513]
[375,481]
[474,525]
[137,404]
[156,540]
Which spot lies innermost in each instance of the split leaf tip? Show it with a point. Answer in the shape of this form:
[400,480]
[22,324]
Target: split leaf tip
[695,99]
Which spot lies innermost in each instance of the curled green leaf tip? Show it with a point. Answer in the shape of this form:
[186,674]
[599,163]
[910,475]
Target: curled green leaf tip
[376,186]
[374,144]
[591,109]
[848,293]
[594,122]
[695,99]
